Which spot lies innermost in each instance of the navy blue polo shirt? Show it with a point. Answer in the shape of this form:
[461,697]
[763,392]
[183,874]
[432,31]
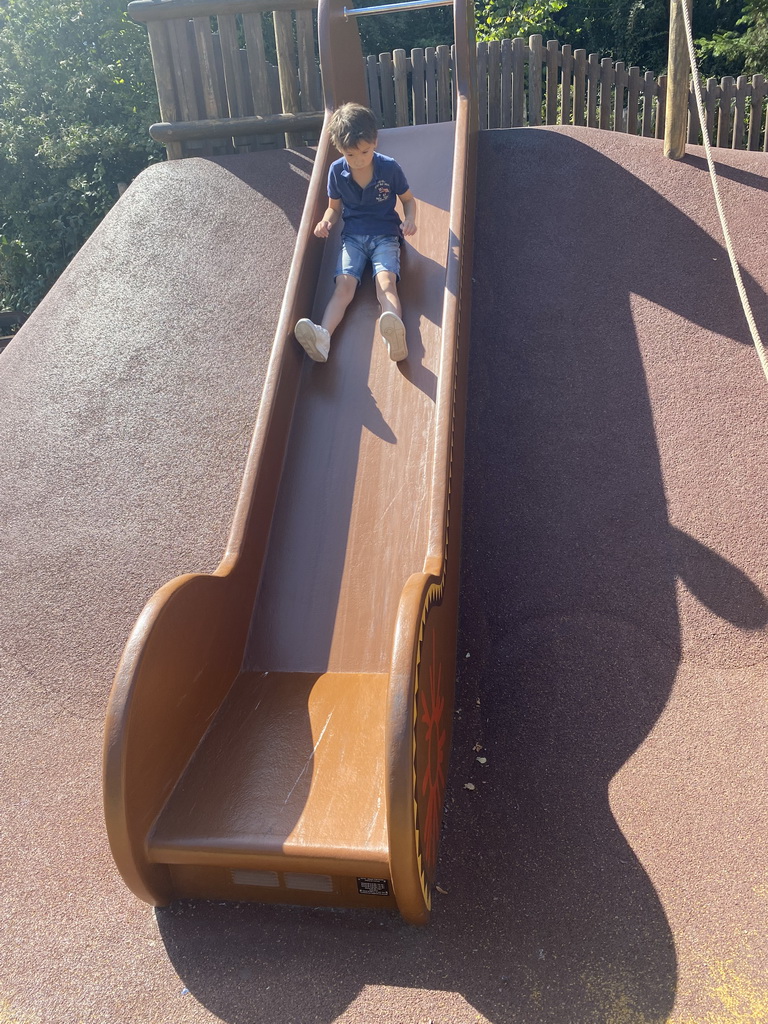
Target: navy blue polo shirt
[369,210]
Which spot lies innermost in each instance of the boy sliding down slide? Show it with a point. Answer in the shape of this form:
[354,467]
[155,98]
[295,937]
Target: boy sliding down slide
[363,187]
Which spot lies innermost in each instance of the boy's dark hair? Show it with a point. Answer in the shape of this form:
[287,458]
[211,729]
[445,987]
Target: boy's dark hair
[351,124]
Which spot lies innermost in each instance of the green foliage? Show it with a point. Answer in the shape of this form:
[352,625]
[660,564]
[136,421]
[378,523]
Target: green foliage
[386,32]
[76,97]
[636,31]
[739,52]
[507,19]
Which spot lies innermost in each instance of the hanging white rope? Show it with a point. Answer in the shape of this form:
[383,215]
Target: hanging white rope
[760,348]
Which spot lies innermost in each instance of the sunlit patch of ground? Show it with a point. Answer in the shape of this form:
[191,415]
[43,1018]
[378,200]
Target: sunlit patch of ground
[735,998]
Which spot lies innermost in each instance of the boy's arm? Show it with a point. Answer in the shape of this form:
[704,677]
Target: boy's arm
[409,212]
[331,215]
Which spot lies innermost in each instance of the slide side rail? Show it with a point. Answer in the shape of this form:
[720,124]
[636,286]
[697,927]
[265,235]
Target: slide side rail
[420,704]
[177,667]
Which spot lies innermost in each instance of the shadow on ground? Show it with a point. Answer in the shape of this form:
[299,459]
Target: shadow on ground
[569,638]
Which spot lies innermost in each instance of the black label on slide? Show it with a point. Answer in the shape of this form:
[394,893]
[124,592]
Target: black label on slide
[373,886]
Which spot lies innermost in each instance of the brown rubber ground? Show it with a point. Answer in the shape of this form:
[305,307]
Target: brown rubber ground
[610,863]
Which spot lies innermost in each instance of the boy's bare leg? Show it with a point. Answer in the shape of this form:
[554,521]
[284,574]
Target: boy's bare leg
[390,323]
[314,338]
[386,292]
[343,293]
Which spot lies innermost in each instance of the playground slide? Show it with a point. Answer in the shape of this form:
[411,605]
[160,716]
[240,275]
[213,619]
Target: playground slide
[280,730]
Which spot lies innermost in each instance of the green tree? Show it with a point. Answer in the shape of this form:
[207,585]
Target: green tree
[637,31]
[507,19]
[741,50]
[404,31]
[76,96]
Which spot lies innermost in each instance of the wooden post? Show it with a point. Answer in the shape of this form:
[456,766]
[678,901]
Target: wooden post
[579,86]
[678,67]
[506,84]
[518,82]
[287,66]
[387,84]
[400,72]
[553,59]
[418,86]
[494,84]
[756,112]
[535,81]
[374,93]
[567,82]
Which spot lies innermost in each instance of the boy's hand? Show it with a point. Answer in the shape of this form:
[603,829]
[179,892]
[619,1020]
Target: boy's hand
[409,226]
[323,229]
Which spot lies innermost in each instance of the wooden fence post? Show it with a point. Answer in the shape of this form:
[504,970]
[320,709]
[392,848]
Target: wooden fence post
[606,81]
[565,86]
[518,82]
[593,79]
[505,120]
[710,103]
[739,113]
[494,83]
[678,68]
[633,100]
[387,86]
[756,112]
[621,81]
[430,57]
[579,86]
[418,83]
[400,71]
[693,114]
[535,82]
[444,92]
[374,93]
[552,55]
[727,92]
[661,106]
[287,69]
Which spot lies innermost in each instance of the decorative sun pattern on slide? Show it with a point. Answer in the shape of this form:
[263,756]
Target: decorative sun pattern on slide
[431,711]
[431,716]
[430,746]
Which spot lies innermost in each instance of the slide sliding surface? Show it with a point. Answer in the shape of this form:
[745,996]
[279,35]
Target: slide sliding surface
[280,730]
[352,516]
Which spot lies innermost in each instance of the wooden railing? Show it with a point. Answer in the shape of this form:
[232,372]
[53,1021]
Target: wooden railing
[217,89]
[232,76]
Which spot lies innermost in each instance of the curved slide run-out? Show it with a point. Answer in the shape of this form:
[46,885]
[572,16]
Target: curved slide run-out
[279,730]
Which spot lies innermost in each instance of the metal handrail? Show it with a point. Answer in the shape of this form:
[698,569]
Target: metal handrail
[409,5]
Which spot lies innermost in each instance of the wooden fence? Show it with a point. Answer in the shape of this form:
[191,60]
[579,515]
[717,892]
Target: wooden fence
[524,82]
[230,76]
[222,66]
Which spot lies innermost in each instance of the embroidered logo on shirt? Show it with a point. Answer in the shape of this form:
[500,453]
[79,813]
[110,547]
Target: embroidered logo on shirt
[383,190]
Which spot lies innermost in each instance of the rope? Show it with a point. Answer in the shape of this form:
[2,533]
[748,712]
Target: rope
[760,348]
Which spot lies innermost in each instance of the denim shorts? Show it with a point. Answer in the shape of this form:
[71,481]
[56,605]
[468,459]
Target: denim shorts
[382,250]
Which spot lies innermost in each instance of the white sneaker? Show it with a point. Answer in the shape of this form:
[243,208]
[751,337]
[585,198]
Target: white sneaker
[315,340]
[393,332]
